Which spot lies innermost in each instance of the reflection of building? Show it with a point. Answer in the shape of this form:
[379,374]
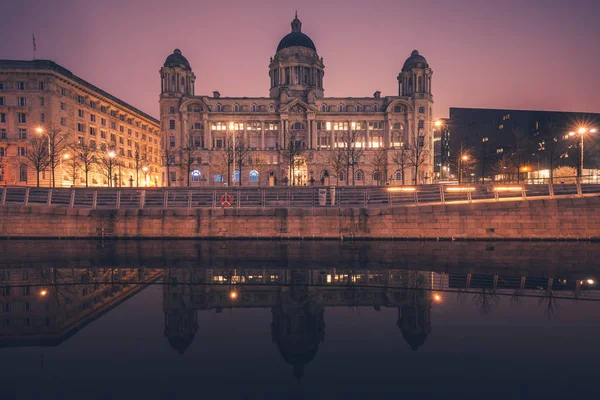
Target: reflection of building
[441,149]
[41,93]
[45,306]
[297,299]
[295,115]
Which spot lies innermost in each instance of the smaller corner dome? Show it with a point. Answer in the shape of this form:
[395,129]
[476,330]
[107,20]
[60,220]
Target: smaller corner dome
[415,61]
[177,60]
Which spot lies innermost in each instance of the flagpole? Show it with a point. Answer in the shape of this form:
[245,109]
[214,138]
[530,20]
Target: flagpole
[33,35]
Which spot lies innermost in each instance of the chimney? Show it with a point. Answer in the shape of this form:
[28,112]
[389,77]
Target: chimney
[377,94]
[216,94]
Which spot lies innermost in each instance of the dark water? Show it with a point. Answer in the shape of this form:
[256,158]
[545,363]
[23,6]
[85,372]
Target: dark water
[299,320]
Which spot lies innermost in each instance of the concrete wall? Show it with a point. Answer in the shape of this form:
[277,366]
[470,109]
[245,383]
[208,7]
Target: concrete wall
[574,218]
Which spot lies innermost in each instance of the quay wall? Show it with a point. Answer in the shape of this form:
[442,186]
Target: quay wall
[565,218]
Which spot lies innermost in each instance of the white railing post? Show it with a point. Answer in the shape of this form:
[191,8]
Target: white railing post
[26,200]
[442,198]
[4,195]
[289,198]
[189,199]
[118,199]
[523,192]
[551,189]
[214,199]
[365,198]
[72,199]
[469,197]
[579,191]
[416,197]
[142,199]
[49,196]
[166,200]
[95,200]
[239,192]
[264,199]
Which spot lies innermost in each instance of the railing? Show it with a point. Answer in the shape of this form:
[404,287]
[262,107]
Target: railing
[302,197]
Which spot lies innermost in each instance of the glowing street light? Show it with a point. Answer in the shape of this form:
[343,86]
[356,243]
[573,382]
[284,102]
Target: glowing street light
[437,298]
[582,130]
[145,169]
[233,295]
[43,292]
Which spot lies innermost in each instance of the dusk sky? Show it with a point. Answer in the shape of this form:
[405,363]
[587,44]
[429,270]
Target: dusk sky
[533,54]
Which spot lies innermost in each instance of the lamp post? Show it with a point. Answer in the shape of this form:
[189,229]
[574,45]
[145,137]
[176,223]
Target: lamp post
[41,131]
[145,169]
[581,131]
[460,167]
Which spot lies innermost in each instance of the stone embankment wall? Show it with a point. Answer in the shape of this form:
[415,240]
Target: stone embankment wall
[569,218]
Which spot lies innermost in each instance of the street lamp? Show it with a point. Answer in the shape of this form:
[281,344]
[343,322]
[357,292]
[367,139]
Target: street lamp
[581,131]
[145,169]
[438,124]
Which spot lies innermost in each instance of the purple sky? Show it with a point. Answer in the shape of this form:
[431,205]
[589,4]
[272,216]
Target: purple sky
[525,54]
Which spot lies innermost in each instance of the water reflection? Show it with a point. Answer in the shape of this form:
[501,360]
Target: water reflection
[46,306]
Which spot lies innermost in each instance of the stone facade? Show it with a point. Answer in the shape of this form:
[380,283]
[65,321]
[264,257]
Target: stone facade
[42,94]
[566,218]
[298,116]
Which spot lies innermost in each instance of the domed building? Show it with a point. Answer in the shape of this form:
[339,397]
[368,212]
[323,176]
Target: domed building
[296,121]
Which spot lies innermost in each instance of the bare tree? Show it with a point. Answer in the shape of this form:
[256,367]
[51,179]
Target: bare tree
[37,155]
[400,158]
[520,145]
[242,151]
[187,158]
[107,164]
[465,162]
[85,154]
[379,162]
[553,149]
[503,166]
[486,300]
[218,162]
[168,159]
[353,151]
[418,154]
[336,159]
[58,142]
[73,166]
[259,162]
[293,154]
[137,159]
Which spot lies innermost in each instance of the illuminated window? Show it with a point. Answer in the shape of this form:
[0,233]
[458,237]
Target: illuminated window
[236,176]
[360,176]
[254,176]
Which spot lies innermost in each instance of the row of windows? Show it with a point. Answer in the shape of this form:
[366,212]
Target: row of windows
[22,85]
[324,108]
[21,118]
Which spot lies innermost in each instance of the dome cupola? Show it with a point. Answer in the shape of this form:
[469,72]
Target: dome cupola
[296,38]
[415,61]
[177,60]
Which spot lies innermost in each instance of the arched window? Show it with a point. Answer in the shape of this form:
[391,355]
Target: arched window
[397,109]
[342,176]
[197,125]
[358,108]
[254,176]
[375,176]
[236,108]
[171,110]
[340,108]
[23,173]
[236,176]
[218,178]
[398,175]
[420,84]
[271,107]
[375,108]
[219,108]
[253,108]
[196,175]
[360,176]
[323,107]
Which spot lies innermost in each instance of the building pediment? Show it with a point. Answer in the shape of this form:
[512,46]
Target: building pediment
[195,102]
[297,106]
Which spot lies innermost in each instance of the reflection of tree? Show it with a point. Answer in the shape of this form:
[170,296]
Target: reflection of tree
[486,300]
[517,297]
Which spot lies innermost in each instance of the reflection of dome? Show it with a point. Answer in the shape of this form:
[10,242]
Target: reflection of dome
[296,38]
[181,343]
[177,60]
[415,61]
[414,339]
[298,360]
